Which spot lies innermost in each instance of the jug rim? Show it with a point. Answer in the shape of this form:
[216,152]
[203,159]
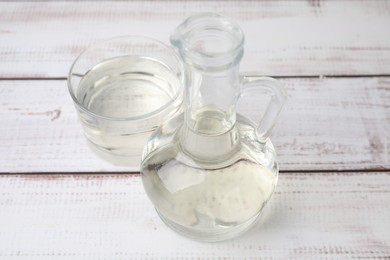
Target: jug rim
[188,39]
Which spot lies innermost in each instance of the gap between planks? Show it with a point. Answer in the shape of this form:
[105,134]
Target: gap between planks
[276,77]
[325,172]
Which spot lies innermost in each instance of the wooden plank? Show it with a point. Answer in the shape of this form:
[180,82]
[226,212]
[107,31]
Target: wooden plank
[316,215]
[328,124]
[334,123]
[40,130]
[41,39]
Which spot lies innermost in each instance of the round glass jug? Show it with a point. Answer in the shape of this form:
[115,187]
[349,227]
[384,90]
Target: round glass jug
[210,171]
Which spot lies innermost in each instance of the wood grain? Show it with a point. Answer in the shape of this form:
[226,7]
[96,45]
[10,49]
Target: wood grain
[320,215]
[283,38]
[328,124]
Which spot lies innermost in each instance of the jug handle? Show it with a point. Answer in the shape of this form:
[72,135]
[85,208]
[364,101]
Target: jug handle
[275,90]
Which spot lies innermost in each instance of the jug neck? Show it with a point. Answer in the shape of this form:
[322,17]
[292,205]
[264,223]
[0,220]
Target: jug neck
[211,47]
[209,133]
[211,99]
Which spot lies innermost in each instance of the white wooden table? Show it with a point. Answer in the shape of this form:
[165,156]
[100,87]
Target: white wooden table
[58,200]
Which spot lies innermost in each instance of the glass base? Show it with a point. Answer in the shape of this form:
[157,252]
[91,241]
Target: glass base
[211,235]
[126,160]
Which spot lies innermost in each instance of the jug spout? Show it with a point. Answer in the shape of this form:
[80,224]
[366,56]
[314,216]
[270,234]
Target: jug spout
[209,41]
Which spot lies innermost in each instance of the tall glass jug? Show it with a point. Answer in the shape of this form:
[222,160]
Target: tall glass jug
[210,171]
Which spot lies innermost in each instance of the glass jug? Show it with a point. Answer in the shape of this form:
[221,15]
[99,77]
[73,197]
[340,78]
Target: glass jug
[210,171]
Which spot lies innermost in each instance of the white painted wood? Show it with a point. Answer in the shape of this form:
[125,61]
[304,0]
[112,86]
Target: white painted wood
[40,130]
[328,124]
[312,215]
[335,124]
[41,39]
